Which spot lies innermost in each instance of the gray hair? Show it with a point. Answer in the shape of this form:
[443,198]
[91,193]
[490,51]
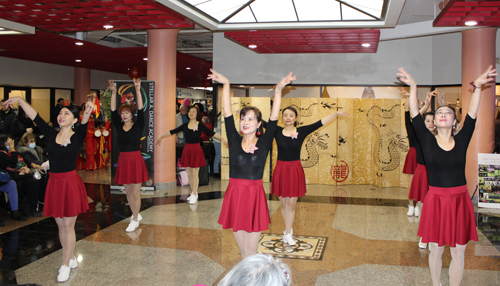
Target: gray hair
[257,270]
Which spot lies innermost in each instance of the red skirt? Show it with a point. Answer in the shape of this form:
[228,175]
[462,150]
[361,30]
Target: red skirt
[192,156]
[289,180]
[131,169]
[244,206]
[410,161]
[419,184]
[447,217]
[65,195]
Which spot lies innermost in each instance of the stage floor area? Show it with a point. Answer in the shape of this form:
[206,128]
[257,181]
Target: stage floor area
[349,235]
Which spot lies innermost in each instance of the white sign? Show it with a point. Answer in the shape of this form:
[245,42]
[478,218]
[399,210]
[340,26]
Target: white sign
[192,93]
[489,180]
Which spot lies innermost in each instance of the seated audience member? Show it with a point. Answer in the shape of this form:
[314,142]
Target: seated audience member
[27,186]
[11,189]
[20,125]
[257,270]
[31,153]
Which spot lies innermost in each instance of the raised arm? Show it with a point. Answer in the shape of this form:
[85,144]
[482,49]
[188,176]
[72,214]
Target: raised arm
[138,94]
[226,89]
[113,94]
[487,76]
[30,111]
[405,94]
[412,99]
[427,103]
[89,106]
[275,110]
[330,117]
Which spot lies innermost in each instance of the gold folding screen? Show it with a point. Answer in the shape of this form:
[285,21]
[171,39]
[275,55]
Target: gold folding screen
[367,148]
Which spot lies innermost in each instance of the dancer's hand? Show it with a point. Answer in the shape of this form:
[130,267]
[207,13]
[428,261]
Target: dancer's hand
[217,77]
[285,81]
[441,98]
[428,98]
[487,76]
[343,114]
[158,142]
[403,92]
[112,85]
[137,83]
[405,77]
[89,107]
[11,101]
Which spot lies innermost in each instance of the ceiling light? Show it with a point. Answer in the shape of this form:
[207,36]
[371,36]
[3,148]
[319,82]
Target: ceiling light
[366,45]
[145,59]
[107,27]
[252,46]
[188,68]
[470,23]
[78,61]
[79,43]
[1,29]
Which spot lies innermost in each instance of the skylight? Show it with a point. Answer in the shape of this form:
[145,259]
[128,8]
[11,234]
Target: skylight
[266,11]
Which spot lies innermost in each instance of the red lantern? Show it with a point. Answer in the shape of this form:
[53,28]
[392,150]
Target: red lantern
[134,72]
[206,83]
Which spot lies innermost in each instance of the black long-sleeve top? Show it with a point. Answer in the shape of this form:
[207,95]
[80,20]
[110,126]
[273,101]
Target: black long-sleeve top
[445,169]
[289,148]
[244,165]
[193,136]
[412,138]
[62,158]
[129,141]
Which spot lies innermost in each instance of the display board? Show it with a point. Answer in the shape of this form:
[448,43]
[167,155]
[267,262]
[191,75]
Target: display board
[489,180]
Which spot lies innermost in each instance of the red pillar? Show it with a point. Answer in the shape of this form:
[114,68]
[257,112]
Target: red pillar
[478,52]
[82,85]
[162,55]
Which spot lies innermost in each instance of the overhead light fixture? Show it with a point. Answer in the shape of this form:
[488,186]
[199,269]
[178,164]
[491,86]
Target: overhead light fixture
[145,59]
[107,27]
[458,101]
[470,23]
[188,68]
[1,29]
[366,45]
[78,61]
[242,86]
[252,46]
[79,43]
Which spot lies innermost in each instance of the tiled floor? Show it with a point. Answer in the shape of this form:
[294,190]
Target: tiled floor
[369,240]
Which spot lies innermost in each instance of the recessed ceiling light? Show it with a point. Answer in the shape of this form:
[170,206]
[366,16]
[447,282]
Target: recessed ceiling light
[107,27]
[470,23]
[78,61]
[242,86]
[145,59]
[188,68]
[366,45]
[252,46]
[79,43]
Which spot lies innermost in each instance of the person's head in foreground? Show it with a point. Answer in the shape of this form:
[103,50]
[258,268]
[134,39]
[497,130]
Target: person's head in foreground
[258,270]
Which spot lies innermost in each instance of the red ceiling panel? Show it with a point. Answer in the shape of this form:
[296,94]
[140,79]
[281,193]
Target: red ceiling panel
[55,49]
[457,12]
[53,15]
[308,41]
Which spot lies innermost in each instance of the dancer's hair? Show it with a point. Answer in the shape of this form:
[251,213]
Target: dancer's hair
[258,270]
[258,115]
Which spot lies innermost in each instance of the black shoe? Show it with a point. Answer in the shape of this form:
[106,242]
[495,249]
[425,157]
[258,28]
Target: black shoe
[2,223]
[36,214]
[16,215]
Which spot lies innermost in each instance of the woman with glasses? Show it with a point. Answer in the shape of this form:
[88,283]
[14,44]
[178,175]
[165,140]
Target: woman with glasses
[448,216]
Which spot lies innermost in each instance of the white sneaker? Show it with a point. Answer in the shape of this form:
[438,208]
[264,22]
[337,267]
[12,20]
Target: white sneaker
[72,264]
[190,195]
[289,239]
[132,225]
[410,210]
[63,273]
[139,217]
[417,211]
[422,245]
[193,200]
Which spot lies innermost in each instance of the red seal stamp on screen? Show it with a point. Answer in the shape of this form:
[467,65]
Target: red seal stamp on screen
[340,172]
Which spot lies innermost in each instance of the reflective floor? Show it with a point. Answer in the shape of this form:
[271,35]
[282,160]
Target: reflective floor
[363,238]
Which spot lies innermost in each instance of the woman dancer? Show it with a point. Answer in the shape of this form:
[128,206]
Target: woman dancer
[65,195]
[245,206]
[192,154]
[289,182]
[131,170]
[448,216]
